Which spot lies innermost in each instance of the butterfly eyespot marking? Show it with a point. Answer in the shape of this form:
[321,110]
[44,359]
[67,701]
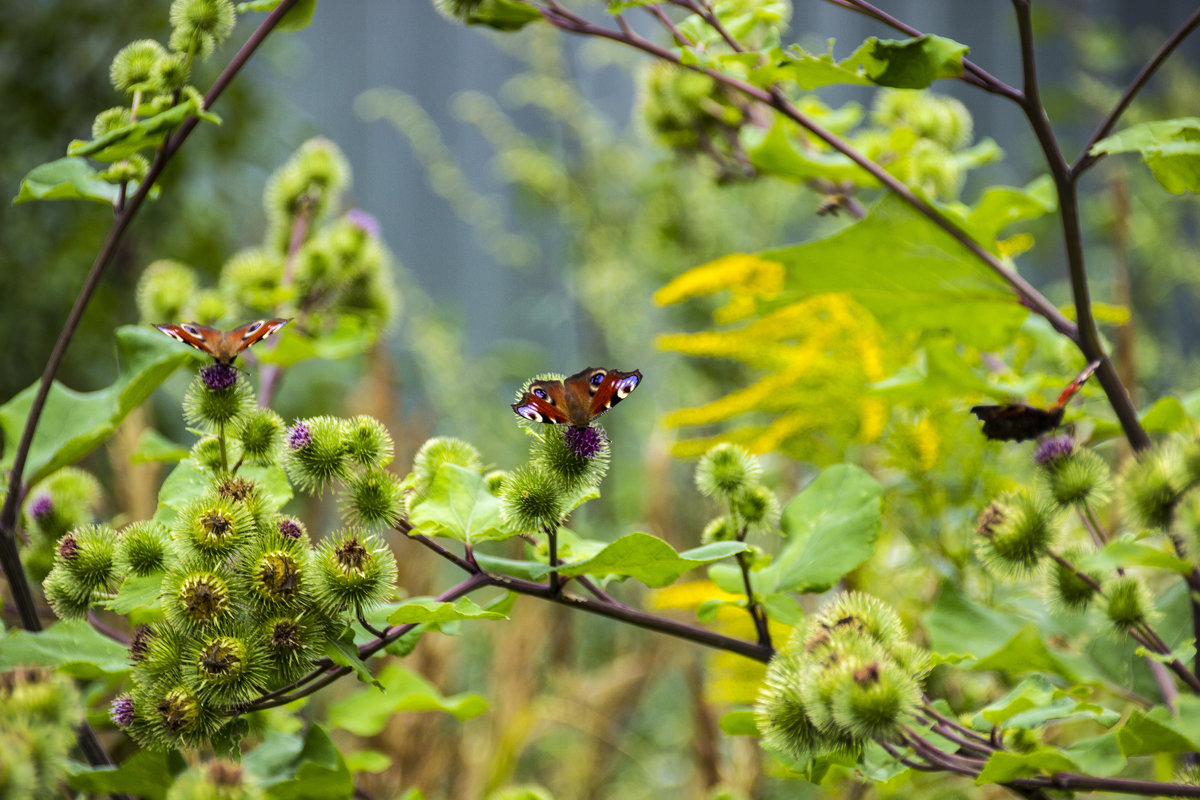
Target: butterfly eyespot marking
[541,395]
[253,328]
[596,381]
[190,330]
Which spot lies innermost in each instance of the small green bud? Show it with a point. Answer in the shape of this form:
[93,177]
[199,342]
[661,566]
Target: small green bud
[165,291]
[875,700]
[315,452]
[109,120]
[436,452]
[1079,478]
[311,180]
[725,470]
[368,443]
[373,498]
[196,598]
[531,498]
[576,472]
[182,716]
[66,500]
[133,66]
[1068,590]
[1017,531]
[225,669]
[355,569]
[720,529]
[855,613]
[142,548]
[757,507]
[245,494]
[277,573]
[458,10]
[253,277]
[1128,604]
[494,480]
[291,642]
[206,453]
[212,20]
[157,651]
[68,598]
[260,432]
[209,307]
[192,44]
[131,169]
[213,528]
[171,72]
[1151,485]
[780,710]
[89,555]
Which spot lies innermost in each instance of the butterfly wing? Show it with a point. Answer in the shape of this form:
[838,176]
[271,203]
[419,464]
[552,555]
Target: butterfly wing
[203,338]
[599,389]
[544,401]
[1017,422]
[248,335]
[1076,384]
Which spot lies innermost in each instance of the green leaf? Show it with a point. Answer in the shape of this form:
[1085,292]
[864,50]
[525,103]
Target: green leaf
[119,144]
[1027,651]
[365,712]
[1126,552]
[830,528]
[503,15]
[427,609]
[73,647]
[784,609]
[342,652]
[1036,702]
[1170,148]
[74,423]
[960,626]
[349,337]
[154,447]
[188,482]
[1005,766]
[902,64]
[146,773]
[288,768]
[775,152]
[367,761]
[136,593]
[1159,731]
[460,507]
[66,179]
[739,723]
[646,558]
[1002,206]
[1100,755]
[911,276]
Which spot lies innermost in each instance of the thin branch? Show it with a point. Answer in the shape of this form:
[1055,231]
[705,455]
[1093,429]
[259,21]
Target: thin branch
[1085,159]
[1069,781]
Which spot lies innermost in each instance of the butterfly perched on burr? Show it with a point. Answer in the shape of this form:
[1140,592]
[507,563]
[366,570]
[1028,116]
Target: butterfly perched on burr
[577,400]
[224,346]
[1017,422]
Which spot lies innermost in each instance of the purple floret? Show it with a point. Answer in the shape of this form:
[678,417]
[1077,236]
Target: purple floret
[585,442]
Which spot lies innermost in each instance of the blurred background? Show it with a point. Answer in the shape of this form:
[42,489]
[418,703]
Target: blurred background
[533,211]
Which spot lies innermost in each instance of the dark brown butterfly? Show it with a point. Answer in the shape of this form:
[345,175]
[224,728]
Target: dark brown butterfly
[577,400]
[224,346]
[1017,422]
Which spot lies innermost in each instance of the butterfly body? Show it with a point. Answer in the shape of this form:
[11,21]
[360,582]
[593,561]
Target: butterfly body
[578,399]
[223,346]
[1016,422]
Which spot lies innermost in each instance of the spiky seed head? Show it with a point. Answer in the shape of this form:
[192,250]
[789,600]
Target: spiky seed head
[436,452]
[368,442]
[725,470]
[1017,531]
[315,454]
[142,548]
[1128,604]
[577,470]
[531,498]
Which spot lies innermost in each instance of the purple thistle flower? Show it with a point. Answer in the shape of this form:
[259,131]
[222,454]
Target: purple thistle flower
[41,507]
[290,528]
[1053,449]
[364,222]
[121,711]
[299,436]
[68,546]
[584,442]
[218,377]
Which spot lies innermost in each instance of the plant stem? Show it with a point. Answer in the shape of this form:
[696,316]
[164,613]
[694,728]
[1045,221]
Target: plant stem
[271,373]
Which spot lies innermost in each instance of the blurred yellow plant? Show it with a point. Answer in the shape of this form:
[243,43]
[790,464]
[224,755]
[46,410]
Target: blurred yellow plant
[817,355]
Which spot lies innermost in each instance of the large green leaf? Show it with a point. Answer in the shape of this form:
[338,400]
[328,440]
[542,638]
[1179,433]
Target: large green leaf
[1127,552]
[127,140]
[910,274]
[1160,731]
[188,482]
[958,626]
[343,652]
[647,558]
[74,423]
[66,179]
[427,609]
[365,712]
[830,528]
[136,593]
[146,773]
[1005,765]
[1170,148]
[349,337]
[73,647]
[902,64]
[1036,702]
[290,768]
[459,506]
[775,151]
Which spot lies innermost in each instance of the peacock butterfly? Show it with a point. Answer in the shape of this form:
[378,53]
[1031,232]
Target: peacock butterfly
[577,400]
[1017,422]
[224,346]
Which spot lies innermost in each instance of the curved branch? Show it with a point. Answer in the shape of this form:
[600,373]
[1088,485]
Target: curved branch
[1086,160]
